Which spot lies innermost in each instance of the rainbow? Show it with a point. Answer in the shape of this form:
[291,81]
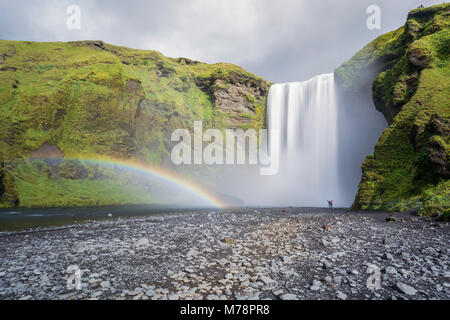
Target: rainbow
[159,173]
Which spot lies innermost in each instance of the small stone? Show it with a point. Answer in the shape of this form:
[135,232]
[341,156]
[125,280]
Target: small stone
[341,295]
[45,281]
[390,270]
[230,240]
[266,280]
[105,284]
[316,285]
[388,256]
[288,296]
[142,242]
[150,292]
[256,285]
[410,291]
[405,273]
[393,219]
[138,297]
[278,293]
[93,281]
[96,294]
[135,292]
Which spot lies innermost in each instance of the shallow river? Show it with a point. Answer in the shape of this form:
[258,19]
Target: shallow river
[15,219]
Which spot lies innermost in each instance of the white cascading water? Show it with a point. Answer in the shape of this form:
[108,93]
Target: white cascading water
[306,114]
[324,138]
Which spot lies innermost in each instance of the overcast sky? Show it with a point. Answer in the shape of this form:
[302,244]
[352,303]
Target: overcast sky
[282,40]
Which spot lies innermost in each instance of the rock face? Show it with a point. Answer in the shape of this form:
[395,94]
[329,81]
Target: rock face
[90,98]
[47,151]
[235,95]
[408,71]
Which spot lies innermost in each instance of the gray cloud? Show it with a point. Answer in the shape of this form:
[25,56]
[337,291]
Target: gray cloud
[284,40]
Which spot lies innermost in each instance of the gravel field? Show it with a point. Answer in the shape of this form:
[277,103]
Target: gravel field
[293,253]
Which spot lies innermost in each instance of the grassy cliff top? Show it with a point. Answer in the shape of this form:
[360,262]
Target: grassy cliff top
[88,84]
[77,53]
[383,52]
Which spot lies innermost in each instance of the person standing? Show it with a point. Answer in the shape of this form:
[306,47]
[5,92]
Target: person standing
[330,204]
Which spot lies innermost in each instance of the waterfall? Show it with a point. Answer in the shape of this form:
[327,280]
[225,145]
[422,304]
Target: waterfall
[306,115]
[324,137]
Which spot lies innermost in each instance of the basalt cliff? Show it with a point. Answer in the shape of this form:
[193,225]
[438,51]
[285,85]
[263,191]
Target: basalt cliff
[408,74]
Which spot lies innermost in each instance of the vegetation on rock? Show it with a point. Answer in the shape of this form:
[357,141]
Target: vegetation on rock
[91,98]
[410,75]
[65,101]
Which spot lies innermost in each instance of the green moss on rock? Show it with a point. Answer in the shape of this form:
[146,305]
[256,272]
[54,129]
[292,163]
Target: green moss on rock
[411,87]
[92,98]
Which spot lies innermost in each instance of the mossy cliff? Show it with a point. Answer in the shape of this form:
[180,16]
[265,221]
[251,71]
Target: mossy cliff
[409,74]
[67,100]
[72,100]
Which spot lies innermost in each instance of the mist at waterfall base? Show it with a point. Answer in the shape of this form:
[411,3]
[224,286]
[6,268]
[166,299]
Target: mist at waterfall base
[324,139]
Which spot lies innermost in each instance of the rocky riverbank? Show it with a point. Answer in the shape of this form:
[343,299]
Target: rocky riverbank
[234,254]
